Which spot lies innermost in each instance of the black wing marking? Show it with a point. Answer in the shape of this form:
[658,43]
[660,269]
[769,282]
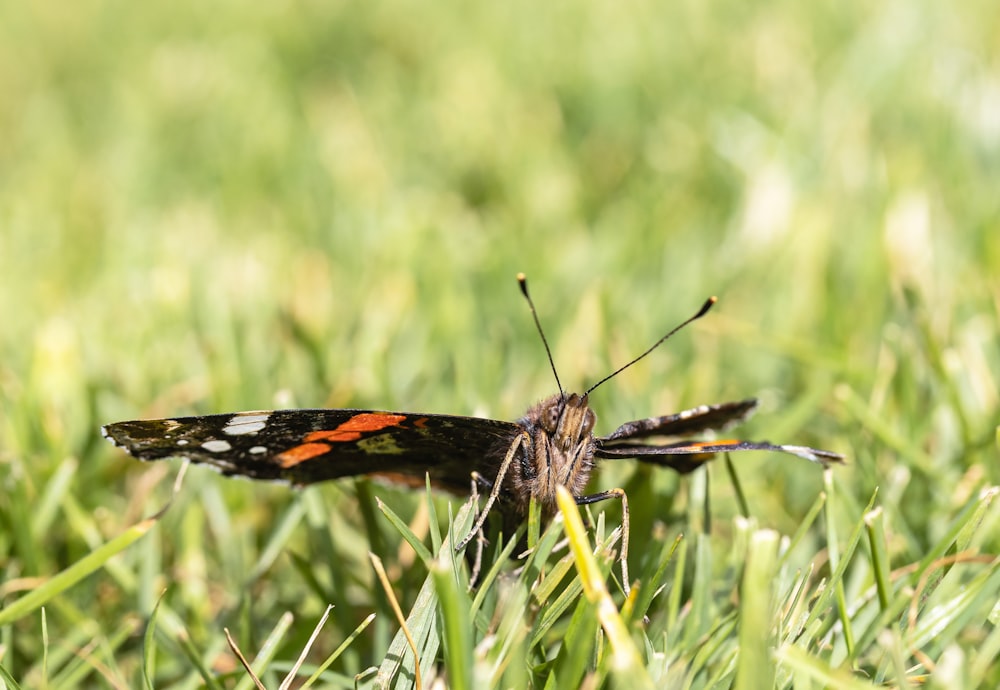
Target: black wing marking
[693,421]
[308,446]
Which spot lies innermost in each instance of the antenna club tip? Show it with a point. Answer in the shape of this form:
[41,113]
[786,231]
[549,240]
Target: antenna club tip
[709,303]
[522,280]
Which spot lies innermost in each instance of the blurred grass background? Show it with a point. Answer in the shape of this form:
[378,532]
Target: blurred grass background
[211,208]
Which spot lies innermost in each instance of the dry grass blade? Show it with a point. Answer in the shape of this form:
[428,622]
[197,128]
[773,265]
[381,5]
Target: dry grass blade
[387,586]
[287,682]
[243,660]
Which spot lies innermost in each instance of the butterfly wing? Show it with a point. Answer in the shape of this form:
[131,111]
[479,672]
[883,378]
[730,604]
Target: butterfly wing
[693,421]
[308,446]
[687,456]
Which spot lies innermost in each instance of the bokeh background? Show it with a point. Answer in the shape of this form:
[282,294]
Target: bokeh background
[206,208]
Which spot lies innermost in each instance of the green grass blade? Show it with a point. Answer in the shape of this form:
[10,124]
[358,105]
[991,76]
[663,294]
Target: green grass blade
[404,530]
[458,631]
[268,649]
[149,646]
[8,680]
[755,668]
[625,659]
[63,581]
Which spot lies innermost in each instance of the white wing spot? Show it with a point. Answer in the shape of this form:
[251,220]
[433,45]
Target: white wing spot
[246,423]
[801,451]
[216,446]
[687,414]
[182,442]
[257,450]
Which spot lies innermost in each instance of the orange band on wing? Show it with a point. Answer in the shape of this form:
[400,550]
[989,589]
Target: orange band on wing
[318,442]
[706,444]
[352,429]
[293,456]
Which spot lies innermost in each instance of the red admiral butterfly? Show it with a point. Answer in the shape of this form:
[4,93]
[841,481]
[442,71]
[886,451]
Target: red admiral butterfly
[552,444]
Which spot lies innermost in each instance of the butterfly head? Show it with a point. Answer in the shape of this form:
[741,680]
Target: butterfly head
[566,421]
[561,451]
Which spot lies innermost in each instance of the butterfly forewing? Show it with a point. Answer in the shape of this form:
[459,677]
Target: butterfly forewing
[307,446]
[693,421]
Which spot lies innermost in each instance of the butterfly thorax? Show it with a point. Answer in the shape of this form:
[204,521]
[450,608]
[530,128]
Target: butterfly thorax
[560,451]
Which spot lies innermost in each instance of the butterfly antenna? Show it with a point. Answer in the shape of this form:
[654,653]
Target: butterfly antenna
[701,312]
[522,280]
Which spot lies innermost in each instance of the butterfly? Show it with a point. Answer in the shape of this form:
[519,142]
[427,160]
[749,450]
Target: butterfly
[552,445]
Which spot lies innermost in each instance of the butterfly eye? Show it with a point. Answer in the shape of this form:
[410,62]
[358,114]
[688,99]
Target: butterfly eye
[550,418]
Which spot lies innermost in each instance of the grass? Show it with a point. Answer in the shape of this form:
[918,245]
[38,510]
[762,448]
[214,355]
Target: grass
[326,205]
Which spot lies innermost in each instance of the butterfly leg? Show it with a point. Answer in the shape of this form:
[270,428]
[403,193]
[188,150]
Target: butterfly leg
[479,480]
[620,495]
[477,560]
[515,445]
